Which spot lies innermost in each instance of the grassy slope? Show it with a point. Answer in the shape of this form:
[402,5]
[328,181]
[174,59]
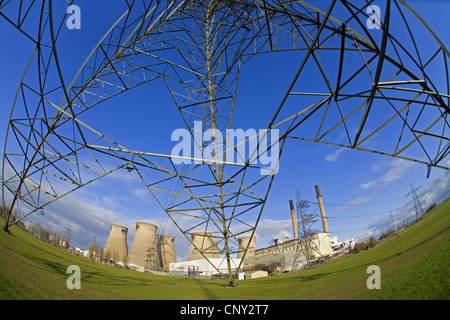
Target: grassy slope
[413,266]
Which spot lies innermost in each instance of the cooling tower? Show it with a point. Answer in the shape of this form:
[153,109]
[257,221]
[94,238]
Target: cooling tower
[202,241]
[167,255]
[322,210]
[116,245]
[243,243]
[143,251]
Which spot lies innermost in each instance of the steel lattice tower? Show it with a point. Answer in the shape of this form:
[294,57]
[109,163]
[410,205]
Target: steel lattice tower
[197,48]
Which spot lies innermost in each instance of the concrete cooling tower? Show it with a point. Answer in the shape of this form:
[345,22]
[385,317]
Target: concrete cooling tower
[243,243]
[202,241]
[143,251]
[167,255]
[116,245]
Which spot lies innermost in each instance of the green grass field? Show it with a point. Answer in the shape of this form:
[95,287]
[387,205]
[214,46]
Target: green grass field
[413,266]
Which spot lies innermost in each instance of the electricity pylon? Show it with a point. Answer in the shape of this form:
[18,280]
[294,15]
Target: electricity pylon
[305,245]
[377,90]
[418,209]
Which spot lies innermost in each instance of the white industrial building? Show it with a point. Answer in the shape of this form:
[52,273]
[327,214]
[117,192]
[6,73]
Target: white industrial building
[292,254]
[288,254]
[342,246]
[253,274]
[203,267]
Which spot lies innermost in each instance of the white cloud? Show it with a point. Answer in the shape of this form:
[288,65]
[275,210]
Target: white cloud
[124,177]
[437,190]
[268,229]
[356,202]
[85,220]
[396,169]
[333,157]
[141,193]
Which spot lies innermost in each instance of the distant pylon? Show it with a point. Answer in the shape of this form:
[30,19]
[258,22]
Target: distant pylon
[417,202]
[305,246]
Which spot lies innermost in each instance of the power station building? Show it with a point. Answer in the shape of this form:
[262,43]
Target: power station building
[201,243]
[248,243]
[166,245]
[203,267]
[299,252]
[157,252]
[292,254]
[145,251]
[286,254]
[116,246]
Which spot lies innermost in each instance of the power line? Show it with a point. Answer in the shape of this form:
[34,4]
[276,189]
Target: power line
[358,204]
[367,228]
[359,216]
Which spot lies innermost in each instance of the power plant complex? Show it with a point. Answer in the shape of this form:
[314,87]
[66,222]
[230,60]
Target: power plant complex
[145,252]
[150,251]
[289,254]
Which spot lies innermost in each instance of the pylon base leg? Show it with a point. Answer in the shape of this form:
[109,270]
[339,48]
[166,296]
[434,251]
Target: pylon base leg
[6,229]
[231,284]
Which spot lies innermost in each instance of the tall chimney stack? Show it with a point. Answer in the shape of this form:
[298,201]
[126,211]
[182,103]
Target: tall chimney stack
[322,210]
[294,220]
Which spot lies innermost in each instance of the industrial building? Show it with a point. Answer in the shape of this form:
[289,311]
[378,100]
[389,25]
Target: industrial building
[203,258]
[145,251]
[166,245]
[289,254]
[150,251]
[203,267]
[245,242]
[292,254]
[285,254]
[201,243]
[342,246]
[116,247]
[210,263]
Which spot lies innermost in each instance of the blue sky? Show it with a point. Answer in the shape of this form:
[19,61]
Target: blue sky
[360,190]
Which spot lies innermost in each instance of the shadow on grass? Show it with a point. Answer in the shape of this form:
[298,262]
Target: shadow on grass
[207,292]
